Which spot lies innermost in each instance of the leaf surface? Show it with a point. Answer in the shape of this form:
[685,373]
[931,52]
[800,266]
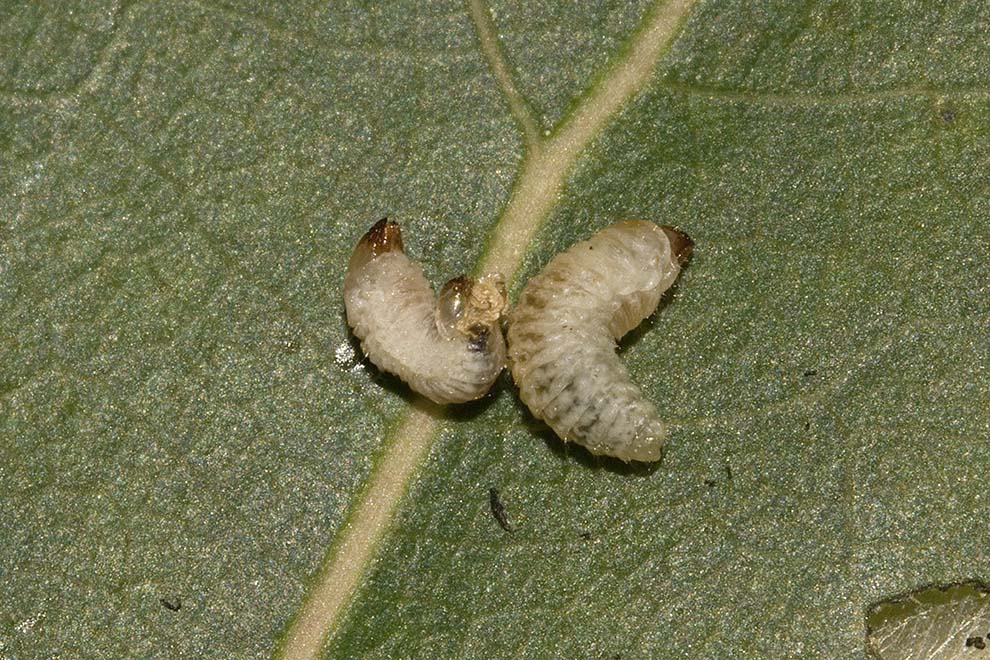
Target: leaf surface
[186,419]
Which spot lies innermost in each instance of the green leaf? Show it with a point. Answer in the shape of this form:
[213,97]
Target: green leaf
[191,445]
[948,621]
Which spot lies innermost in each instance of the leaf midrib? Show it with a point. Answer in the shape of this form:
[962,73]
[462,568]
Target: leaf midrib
[537,190]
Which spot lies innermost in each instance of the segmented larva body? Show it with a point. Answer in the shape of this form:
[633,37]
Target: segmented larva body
[563,331]
[449,349]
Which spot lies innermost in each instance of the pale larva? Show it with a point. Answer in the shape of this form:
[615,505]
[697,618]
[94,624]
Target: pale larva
[449,349]
[563,331]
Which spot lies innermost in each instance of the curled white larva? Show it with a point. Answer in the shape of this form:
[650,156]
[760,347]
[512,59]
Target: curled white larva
[449,349]
[562,336]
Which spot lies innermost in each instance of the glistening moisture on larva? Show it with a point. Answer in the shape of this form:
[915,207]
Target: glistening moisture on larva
[562,334]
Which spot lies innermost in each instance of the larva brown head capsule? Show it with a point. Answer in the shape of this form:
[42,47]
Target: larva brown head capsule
[451,349]
[384,236]
[562,332]
[681,245]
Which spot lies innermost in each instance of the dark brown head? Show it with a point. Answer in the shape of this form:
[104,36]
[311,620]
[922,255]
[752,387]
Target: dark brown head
[681,244]
[384,236]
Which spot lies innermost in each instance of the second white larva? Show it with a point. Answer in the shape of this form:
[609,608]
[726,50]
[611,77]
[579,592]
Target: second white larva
[562,336]
[449,349]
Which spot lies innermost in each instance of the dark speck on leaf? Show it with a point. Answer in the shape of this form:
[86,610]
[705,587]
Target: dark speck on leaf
[710,482]
[498,510]
[586,536]
[728,472]
[807,426]
[170,605]
[947,114]
[810,372]
[976,642]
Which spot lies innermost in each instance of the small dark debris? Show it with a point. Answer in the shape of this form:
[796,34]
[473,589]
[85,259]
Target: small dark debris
[976,642]
[710,483]
[947,114]
[728,472]
[810,372]
[171,606]
[479,342]
[498,510]
[586,536]
[807,426]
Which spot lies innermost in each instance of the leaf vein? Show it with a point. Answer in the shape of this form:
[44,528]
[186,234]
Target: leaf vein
[492,49]
[536,193]
[811,100]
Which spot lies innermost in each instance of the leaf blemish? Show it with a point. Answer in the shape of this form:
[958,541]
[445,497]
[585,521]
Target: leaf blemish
[498,509]
[947,114]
